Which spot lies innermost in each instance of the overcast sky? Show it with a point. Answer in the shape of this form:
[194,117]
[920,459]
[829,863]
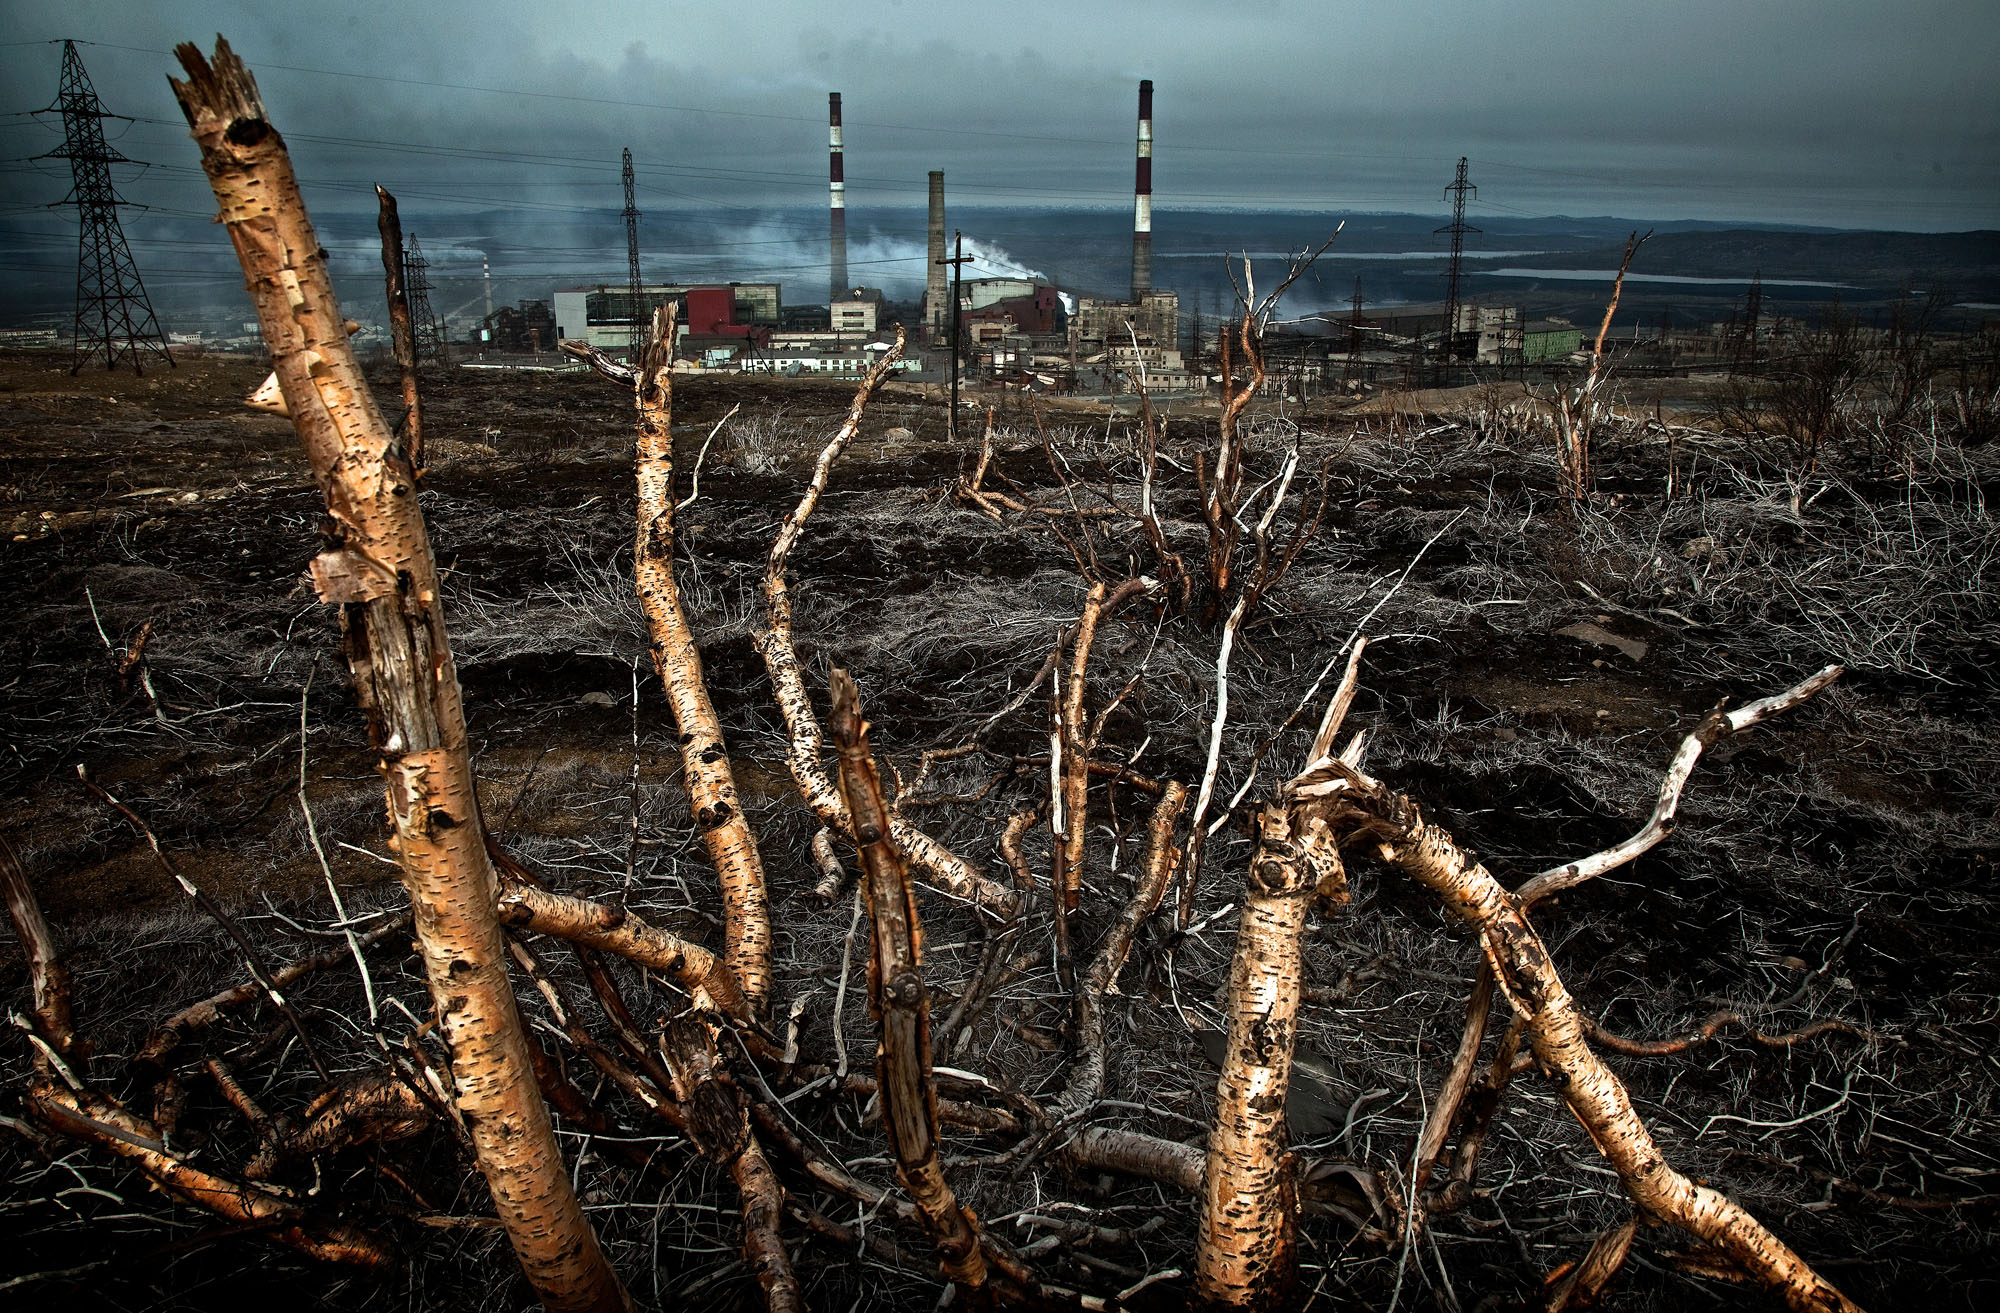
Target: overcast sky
[1825,112]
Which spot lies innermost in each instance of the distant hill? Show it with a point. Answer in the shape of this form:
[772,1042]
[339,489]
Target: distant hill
[1966,264]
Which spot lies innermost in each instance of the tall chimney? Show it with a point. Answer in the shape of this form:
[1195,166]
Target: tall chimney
[937,300]
[836,197]
[1142,199]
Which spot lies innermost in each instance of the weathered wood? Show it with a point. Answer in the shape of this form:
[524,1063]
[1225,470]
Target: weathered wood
[626,934]
[376,565]
[1557,1033]
[48,978]
[711,784]
[402,335]
[900,1002]
[806,743]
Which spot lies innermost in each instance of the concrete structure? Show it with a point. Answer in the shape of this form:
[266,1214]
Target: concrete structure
[1549,339]
[1497,329]
[1099,321]
[937,294]
[838,362]
[603,315]
[836,196]
[1142,200]
[856,318]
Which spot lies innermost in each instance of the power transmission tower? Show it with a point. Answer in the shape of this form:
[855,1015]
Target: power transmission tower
[633,287]
[1458,228]
[417,285]
[113,317]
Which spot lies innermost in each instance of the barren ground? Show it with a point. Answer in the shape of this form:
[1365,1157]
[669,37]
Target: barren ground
[1838,863]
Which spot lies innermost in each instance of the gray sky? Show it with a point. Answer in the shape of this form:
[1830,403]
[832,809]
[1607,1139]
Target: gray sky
[1829,112]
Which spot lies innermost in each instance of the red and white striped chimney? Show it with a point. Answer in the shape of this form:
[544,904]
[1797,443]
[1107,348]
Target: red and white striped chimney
[836,198]
[1142,199]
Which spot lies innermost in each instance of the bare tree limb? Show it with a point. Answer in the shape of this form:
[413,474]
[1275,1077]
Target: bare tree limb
[711,784]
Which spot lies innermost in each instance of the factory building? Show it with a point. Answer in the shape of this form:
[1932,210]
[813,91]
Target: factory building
[603,315]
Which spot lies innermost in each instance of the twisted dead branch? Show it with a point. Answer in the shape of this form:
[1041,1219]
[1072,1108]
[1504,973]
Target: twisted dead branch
[900,1002]
[805,747]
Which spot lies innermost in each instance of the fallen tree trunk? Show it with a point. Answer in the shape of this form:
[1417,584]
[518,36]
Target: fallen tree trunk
[376,565]
[1557,1030]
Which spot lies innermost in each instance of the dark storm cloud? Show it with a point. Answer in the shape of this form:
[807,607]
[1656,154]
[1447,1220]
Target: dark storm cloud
[1835,113]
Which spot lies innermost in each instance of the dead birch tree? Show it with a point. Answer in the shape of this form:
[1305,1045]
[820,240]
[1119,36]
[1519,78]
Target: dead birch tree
[804,751]
[1577,412]
[711,784]
[376,565]
[1557,1031]
[1245,1250]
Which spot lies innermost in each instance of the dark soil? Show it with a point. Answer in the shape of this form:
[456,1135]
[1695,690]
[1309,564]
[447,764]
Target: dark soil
[1838,863]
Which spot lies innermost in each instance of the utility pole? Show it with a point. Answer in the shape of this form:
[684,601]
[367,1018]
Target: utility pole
[956,260]
[633,287]
[1458,228]
[113,316]
[1353,330]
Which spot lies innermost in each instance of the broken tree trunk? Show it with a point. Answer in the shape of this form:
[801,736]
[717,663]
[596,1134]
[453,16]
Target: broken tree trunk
[900,1002]
[1244,1256]
[376,564]
[402,335]
[711,786]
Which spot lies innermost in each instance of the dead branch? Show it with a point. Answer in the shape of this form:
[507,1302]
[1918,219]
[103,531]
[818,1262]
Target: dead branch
[624,933]
[1711,1026]
[377,566]
[1585,1283]
[1556,1032]
[97,1120]
[720,1128]
[48,977]
[402,336]
[900,1002]
[781,662]
[1718,725]
[1157,875]
[252,959]
[1576,412]
[711,785]
[199,1016]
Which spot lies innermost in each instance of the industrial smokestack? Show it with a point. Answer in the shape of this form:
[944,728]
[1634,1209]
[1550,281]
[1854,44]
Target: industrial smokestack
[1142,199]
[937,301]
[836,197]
